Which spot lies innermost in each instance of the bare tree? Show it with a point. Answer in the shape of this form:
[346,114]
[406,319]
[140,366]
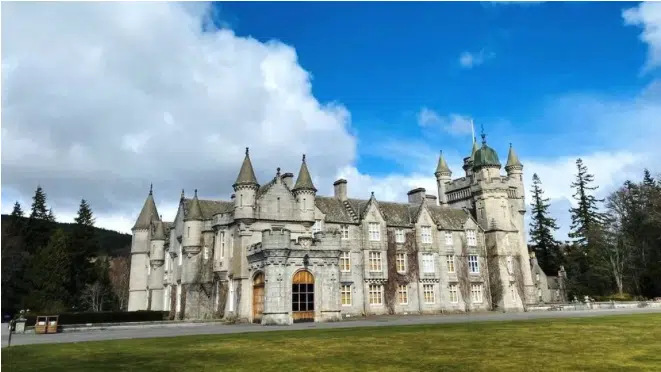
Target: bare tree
[93,296]
[120,269]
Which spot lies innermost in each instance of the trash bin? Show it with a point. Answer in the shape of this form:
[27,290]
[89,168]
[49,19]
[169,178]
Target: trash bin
[52,324]
[41,325]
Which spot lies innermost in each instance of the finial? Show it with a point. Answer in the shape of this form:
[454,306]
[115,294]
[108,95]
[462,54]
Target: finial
[510,144]
[277,173]
[372,193]
[247,150]
[161,216]
[484,136]
[182,193]
[151,188]
[196,193]
[303,158]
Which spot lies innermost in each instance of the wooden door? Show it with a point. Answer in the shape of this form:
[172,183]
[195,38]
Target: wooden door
[258,298]
[303,297]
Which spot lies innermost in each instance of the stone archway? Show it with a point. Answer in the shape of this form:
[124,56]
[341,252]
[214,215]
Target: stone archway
[258,297]
[303,297]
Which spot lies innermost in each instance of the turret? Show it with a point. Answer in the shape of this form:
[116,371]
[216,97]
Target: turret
[486,164]
[514,168]
[140,247]
[443,177]
[468,161]
[305,192]
[157,259]
[245,189]
[192,226]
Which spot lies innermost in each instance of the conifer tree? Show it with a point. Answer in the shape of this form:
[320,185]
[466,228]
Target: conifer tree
[542,227]
[585,217]
[14,259]
[16,222]
[84,246]
[39,209]
[49,276]
[39,227]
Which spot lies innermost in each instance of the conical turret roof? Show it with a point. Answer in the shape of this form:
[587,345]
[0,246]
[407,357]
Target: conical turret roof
[304,181]
[148,213]
[485,156]
[159,234]
[442,165]
[513,159]
[194,211]
[247,173]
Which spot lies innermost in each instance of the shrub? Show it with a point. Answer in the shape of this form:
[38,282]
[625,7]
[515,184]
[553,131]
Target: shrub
[104,317]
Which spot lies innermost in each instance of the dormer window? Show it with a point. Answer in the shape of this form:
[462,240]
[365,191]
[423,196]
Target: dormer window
[399,236]
[471,238]
[317,227]
[425,234]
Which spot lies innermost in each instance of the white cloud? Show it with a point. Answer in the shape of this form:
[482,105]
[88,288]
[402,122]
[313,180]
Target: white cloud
[647,15]
[101,99]
[455,124]
[469,60]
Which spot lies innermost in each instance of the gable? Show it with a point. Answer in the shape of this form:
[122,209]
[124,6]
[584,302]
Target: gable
[424,218]
[276,202]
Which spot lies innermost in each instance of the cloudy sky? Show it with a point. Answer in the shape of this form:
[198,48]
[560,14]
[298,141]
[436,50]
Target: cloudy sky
[101,99]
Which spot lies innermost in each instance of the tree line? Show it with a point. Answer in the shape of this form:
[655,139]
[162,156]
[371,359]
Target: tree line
[48,269]
[615,243]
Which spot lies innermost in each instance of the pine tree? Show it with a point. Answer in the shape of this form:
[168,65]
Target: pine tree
[585,217]
[84,246]
[16,222]
[49,276]
[14,258]
[542,227]
[39,227]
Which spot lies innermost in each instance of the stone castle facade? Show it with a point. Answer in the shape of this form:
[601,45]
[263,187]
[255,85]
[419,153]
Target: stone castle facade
[278,253]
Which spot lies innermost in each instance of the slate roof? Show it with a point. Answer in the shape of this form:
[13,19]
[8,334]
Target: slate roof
[512,158]
[247,173]
[148,213]
[159,234]
[552,282]
[395,214]
[304,181]
[209,207]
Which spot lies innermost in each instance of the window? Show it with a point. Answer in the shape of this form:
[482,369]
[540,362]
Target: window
[476,293]
[345,231]
[513,291]
[472,238]
[401,262]
[473,264]
[222,244]
[241,197]
[375,261]
[374,231]
[428,292]
[317,226]
[188,232]
[537,277]
[148,269]
[539,293]
[206,252]
[510,265]
[346,295]
[376,294]
[425,234]
[557,295]
[181,256]
[399,236]
[303,203]
[427,263]
[278,206]
[345,262]
[448,238]
[231,246]
[403,295]
[454,294]
[450,261]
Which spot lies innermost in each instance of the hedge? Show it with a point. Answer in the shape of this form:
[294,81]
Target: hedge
[103,317]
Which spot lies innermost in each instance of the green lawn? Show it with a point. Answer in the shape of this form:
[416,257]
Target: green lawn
[610,343]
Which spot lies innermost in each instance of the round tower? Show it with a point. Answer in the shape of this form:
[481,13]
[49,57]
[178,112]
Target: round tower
[486,164]
[443,177]
[157,259]
[305,192]
[245,190]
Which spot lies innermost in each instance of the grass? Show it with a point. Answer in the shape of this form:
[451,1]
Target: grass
[609,343]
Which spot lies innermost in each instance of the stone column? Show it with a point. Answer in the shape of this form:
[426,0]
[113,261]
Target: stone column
[156,285]
[275,296]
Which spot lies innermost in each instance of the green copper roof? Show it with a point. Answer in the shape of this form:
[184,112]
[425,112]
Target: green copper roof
[247,173]
[159,234]
[148,213]
[194,211]
[304,181]
[513,159]
[442,165]
[485,156]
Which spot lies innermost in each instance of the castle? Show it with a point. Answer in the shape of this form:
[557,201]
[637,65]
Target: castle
[279,253]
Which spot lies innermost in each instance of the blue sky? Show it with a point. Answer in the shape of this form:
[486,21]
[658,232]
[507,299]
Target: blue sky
[384,61]
[139,93]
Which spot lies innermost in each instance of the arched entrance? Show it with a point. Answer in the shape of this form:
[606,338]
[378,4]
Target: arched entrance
[258,298]
[302,294]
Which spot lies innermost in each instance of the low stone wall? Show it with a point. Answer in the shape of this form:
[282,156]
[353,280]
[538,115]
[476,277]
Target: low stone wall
[596,306]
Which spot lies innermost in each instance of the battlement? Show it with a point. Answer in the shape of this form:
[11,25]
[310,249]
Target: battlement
[459,183]
[277,238]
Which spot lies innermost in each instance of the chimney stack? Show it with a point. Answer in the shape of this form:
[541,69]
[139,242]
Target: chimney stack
[340,187]
[431,199]
[416,196]
[288,179]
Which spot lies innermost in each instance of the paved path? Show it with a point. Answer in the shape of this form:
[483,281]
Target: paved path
[184,329]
